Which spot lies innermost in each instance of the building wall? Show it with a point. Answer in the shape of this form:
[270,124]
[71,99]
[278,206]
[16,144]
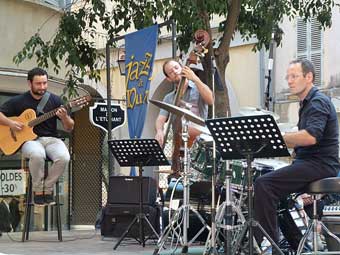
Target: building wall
[332,52]
[19,20]
[243,74]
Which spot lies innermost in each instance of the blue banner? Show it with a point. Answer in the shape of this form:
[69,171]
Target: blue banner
[140,50]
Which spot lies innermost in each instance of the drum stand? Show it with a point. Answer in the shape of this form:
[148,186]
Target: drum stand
[181,216]
[224,219]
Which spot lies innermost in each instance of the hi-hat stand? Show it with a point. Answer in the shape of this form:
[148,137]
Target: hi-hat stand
[248,138]
[138,152]
[229,221]
[181,216]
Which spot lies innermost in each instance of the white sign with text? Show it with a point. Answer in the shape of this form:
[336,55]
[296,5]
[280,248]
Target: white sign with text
[12,182]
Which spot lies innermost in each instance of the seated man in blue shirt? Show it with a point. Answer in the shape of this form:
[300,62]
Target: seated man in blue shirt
[315,146]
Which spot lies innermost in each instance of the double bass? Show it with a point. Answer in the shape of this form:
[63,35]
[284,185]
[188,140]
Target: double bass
[201,41]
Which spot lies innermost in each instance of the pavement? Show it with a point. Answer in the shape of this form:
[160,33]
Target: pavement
[84,242]
[79,242]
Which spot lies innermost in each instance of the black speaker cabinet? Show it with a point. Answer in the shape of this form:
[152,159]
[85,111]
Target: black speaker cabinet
[125,190]
[117,217]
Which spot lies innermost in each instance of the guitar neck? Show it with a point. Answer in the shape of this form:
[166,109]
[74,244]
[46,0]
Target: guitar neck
[44,117]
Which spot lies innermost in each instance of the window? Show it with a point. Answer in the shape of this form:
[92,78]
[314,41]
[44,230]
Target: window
[309,45]
[59,3]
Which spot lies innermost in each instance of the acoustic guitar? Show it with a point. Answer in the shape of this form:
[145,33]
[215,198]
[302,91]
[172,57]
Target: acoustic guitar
[11,141]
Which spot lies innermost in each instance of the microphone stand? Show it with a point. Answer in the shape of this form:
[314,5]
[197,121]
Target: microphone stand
[212,247]
[268,104]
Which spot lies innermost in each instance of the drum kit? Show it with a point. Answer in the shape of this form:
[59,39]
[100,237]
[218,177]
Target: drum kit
[200,164]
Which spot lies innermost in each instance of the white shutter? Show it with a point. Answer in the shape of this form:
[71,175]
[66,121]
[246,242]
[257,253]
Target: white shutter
[309,45]
[59,3]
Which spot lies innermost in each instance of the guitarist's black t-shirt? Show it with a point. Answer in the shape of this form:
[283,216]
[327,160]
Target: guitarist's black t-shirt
[18,104]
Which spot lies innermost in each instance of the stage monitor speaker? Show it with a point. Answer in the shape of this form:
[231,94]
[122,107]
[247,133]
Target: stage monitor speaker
[117,217]
[125,190]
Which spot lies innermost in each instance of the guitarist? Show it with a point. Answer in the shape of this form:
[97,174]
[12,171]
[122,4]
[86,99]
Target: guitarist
[194,92]
[47,144]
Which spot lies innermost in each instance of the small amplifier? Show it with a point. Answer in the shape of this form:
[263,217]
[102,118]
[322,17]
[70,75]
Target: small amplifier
[117,218]
[126,190]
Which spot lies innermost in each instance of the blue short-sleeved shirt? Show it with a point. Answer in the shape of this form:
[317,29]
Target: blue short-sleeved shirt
[191,96]
[318,117]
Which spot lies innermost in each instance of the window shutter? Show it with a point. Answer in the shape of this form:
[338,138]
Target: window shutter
[309,45]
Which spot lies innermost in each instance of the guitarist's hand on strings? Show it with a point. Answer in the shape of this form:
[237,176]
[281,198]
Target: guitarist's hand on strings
[66,120]
[16,125]
[62,113]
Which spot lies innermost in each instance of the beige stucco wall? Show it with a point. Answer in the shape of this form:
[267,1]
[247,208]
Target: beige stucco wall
[331,52]
[19,20]
[243,73]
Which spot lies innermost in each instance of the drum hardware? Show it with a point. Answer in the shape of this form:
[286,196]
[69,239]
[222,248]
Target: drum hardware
[164,171]
[243,138]
[252,111]
[225,217]
[181,216]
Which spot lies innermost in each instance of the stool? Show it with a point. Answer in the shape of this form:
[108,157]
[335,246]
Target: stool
[323,186]
[29,204]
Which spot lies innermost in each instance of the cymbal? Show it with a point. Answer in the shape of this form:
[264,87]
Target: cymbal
[249,111]
[179,112]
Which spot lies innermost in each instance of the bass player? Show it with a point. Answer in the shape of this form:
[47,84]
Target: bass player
[194,93]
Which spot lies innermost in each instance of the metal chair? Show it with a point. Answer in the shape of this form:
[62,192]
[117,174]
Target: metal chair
[29,204]
[316,189]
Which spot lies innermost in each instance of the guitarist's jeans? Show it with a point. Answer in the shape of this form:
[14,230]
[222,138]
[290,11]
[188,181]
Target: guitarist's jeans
[37,151]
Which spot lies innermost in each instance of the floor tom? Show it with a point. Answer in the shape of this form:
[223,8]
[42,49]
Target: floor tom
[260,167]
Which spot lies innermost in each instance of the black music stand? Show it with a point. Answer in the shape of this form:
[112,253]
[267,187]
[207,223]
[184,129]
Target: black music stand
[248,137]
[138,152]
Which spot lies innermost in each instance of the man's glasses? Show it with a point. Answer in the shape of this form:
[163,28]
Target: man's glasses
[292,76]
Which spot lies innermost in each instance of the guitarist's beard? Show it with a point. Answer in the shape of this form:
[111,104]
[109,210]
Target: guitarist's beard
[38,92]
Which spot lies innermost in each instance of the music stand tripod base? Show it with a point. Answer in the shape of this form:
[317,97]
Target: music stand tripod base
[138,152]
[247,138]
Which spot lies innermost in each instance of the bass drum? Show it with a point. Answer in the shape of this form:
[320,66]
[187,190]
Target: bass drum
[201,155]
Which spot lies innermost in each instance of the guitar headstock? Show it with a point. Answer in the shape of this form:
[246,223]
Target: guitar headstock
[79,102]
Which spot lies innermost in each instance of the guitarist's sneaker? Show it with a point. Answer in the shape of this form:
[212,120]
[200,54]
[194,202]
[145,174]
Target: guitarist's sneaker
[49,200]
[39,200]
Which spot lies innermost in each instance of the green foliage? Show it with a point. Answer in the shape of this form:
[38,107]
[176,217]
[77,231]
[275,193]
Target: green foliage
[69,47]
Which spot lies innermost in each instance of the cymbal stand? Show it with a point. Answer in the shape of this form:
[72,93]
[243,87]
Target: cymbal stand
[181,216]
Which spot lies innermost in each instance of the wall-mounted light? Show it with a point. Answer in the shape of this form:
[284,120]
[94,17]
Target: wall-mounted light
[121,61]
